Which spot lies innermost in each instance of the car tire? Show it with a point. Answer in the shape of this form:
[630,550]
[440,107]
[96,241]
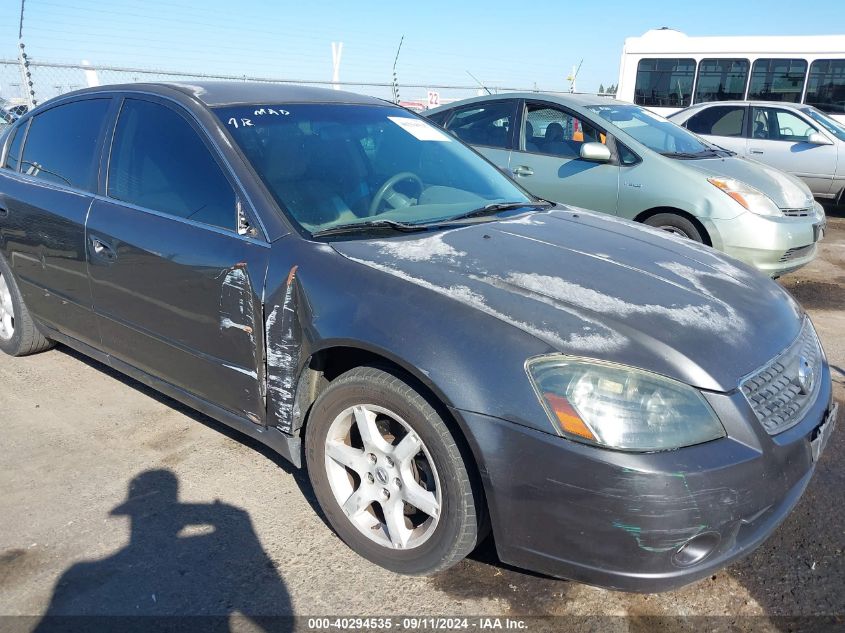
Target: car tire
[675,224]
[377,479]
[18,334]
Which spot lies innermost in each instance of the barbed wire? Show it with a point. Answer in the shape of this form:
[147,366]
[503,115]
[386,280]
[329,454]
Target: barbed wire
[51,79]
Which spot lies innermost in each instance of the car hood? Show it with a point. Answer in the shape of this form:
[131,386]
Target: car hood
[595,286]
[787,192]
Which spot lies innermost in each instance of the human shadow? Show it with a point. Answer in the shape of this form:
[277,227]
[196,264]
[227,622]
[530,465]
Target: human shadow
[300,476]
[187,566]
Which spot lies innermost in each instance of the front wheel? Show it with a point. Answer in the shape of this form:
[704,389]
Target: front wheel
[388,474]
[675,224]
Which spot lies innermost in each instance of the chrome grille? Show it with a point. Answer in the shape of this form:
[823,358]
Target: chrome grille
[775,392]
[797,253]
[799,213]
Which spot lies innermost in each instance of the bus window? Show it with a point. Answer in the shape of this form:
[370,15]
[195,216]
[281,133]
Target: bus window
[777,80]
[826,85]
[664,82]
[721,80]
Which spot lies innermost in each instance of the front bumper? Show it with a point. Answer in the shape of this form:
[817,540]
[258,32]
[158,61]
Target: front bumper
[774,245]
[623,520]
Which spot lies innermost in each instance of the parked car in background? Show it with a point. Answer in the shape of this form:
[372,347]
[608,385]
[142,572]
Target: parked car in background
[621,159]
[10,113]
[797,139]
[343,281]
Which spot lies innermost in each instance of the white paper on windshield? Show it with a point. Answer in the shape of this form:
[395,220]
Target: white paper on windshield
[420,129]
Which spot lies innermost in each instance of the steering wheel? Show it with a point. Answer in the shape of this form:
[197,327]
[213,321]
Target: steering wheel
[387,191]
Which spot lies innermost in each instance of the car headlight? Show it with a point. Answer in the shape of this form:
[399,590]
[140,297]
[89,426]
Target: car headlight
[621,407]
[750,198]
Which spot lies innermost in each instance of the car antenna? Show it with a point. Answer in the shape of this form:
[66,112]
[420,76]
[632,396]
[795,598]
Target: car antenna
[479,83]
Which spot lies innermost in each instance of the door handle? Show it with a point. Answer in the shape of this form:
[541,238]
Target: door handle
[103,250]
[523,170]
[756,151]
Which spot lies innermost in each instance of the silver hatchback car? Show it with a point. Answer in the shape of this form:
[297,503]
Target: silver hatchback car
[795,138]
[621,159]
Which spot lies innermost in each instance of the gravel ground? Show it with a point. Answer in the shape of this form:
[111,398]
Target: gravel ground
[219,525]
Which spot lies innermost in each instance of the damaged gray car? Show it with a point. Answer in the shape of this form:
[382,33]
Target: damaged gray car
[448,355]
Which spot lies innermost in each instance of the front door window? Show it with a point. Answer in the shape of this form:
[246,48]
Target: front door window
[774,124]
[556,132]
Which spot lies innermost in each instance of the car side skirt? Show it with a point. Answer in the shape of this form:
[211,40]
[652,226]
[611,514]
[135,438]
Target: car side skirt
[287,446]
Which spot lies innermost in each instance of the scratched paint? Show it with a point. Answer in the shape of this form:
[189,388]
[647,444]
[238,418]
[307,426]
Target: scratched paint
[236,309]
[237,317]
[659,540]
[422,249]
[466,295]
[283,347]
[715,316]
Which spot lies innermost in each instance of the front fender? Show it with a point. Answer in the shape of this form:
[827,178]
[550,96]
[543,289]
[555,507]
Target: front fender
[316,300]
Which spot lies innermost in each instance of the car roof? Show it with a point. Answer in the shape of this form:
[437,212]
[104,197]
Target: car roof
[220,93]
[565,99]
[739,102]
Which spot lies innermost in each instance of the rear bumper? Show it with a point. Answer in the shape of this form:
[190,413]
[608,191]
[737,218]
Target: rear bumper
[776,246]
[623,520]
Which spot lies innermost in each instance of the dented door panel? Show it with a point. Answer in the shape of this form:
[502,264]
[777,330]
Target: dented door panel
[190,316]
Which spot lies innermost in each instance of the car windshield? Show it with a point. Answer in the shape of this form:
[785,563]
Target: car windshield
[831,125]
[332,165]
[655,132]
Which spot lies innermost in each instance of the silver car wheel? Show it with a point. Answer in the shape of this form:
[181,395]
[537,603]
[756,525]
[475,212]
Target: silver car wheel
[383,477]
[7,311]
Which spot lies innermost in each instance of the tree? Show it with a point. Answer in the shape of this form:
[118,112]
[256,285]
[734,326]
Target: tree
[601,88]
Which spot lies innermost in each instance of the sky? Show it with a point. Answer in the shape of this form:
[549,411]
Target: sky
[516,45]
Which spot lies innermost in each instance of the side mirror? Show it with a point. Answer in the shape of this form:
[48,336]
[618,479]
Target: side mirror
[816,138]
[596,152]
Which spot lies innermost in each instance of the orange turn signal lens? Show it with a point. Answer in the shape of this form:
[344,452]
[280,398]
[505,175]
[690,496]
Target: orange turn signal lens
[568,418]
[726,187]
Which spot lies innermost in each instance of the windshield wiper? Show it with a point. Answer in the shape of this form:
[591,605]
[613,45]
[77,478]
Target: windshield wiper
[707,153]
[496,207]
[370,225]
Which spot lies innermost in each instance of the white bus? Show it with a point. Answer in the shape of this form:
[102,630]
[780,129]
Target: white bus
[666,70]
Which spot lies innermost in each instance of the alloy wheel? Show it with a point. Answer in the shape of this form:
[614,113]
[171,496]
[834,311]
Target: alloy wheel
[7,311]
[383,477]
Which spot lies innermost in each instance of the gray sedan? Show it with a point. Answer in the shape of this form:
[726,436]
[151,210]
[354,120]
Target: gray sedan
[795,138]
[445,354]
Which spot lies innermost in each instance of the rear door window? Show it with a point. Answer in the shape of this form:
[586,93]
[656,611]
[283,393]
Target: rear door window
[487,124]
[718,121]
[62,143]
[159,162]
[14,154]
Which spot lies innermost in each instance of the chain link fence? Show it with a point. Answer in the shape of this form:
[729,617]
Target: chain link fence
[50,79]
